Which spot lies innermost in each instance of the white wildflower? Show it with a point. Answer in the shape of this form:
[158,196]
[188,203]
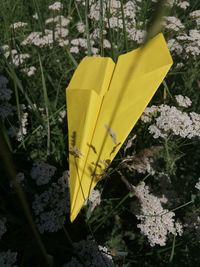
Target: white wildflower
[63,43]
[156,132]
[136,35]
[62,115]
[41,40]
[91,255]
[74,50]
[80,27]
[35,16]
[195,14]
[179,228]
[106,44]
[194,35]
[196,124]
[23,125]
[156,222]
[173,24]
[192,50]
[129,10]
[50,207]
[42,172]
[57,6]
[183,101]
[61,32]
[59,20]
[170,120]
[197,186]
[5,48]
[96,34]
[179,65]
[191,43]
[94,12]
[183,4]
[174,46]
[49,20]
[29,71]
[82,42]
[115,22]
[149,113]
[75,42]
[114,6]
[17,58]
[33,38]
[94,198]
[18,25]
[8,258]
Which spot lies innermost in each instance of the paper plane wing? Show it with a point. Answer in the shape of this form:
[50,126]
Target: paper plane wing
[103,118]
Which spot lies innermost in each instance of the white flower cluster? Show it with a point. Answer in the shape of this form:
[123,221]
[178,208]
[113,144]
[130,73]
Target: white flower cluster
[191,43]
[58,34]
[57,6]
[35,16]
[173,24]
[175,46]
[78,43]
[61,115]
[183,40]
[183,4]
[16,58]
[3,228]
[196,16]
[183,101]
[187,43]
[22,131]
[168,120]
[50,207]
[155,221]
[42,172]
[197,186]
[91,255]
[94,198]
[6,109]
[80,27]
[59,21]
[112,18]
[149,113]
[29,71]
[8,259]
[18,25]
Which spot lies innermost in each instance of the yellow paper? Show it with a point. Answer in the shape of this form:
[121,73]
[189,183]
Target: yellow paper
[104,101]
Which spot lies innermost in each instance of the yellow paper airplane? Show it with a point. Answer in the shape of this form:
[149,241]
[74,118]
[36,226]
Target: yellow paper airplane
[104,101]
